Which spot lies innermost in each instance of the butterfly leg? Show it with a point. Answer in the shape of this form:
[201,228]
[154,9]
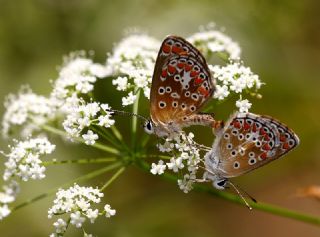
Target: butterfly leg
[204,120]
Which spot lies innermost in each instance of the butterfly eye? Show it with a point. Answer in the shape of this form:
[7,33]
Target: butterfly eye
[220,184]
[148,127]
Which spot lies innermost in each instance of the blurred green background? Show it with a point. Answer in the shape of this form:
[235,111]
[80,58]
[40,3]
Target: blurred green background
[280,42]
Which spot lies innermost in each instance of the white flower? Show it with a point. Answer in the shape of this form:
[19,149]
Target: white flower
[90,137]
[175,164]
[76,203]
[186,184]
[158,168]
[105,121]
[92,214]
[132,63]
[4,211]
[60,226]
[129,99]
[243,105]
[76,219]
[215,41]
[109,212]
[25,109]
[221,92]
[121,83]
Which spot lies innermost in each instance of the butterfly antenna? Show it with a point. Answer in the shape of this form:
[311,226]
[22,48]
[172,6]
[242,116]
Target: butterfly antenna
[124,113]
[240,194]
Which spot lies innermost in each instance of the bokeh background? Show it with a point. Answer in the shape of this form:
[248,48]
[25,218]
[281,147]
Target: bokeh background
[280,42]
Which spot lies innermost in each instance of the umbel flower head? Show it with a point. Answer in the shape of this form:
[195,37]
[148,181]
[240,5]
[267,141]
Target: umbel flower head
[77,204]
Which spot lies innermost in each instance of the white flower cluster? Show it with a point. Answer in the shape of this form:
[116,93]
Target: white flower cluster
[235,78]
[24,159]
[76,78]
[186,163]
[77,204]
[85,115]
[7,196]
[26,109]
[213,41]
[132,63]
[23,162]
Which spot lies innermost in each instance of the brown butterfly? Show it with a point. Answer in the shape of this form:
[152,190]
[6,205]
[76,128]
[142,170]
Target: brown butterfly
[181,85]
[247,142]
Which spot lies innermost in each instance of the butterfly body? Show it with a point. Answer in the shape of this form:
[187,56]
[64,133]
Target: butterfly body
[247,142]
[181,85]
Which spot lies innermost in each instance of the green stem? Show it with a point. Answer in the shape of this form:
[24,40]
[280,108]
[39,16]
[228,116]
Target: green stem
[135,120]
[275,210]
[114,177]
[80,161]
[78,139]
[81,178]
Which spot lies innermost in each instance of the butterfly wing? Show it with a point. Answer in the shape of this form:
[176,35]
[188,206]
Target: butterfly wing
[250,141]
[181,82]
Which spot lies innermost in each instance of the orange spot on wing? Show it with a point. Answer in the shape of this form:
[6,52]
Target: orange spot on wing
[246,126]
[263,156]
[203,91]
[187,68]
[194,73]
[164,73]
[176,49]
[266,147]
[198,81]
[237,124]
[171,69]
[181,65]
[285,146]
[166,48]
[283,138]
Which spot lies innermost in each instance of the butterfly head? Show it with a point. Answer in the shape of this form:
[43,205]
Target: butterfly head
[220,183]
[148,127]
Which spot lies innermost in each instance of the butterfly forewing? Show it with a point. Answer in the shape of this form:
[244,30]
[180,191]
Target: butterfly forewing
[250,141]
[181,82]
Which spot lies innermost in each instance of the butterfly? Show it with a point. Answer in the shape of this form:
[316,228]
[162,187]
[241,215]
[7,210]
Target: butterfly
[247,142]
[181,85]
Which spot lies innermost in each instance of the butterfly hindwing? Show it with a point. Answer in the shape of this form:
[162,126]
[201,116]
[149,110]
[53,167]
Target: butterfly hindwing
[250,141]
